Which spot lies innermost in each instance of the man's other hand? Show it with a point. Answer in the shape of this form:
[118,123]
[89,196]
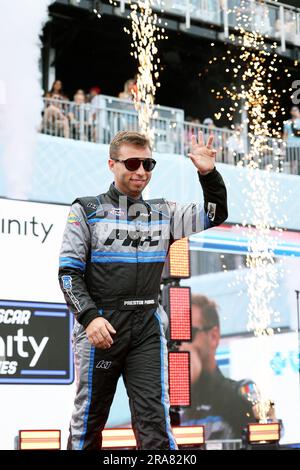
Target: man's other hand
[99,333]
[203,156]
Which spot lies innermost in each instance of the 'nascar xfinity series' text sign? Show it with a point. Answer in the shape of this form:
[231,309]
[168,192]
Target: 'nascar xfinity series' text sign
[35,343]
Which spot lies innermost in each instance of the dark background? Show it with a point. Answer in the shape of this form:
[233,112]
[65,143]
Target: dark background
[293,3]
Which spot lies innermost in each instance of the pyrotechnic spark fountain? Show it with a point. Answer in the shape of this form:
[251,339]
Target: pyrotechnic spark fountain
[253,70]
[145,32]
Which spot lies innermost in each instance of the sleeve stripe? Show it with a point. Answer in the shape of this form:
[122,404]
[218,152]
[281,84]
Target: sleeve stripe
[71,262]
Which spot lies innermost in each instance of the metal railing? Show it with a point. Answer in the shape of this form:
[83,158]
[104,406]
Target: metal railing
[209,11]
[232,148]
[172,134]
[273,19]
[100,123]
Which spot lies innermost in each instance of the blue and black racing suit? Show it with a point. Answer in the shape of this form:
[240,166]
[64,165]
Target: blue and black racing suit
[111,260]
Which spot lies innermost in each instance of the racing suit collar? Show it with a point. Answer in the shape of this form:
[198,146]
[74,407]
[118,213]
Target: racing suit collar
[115,194]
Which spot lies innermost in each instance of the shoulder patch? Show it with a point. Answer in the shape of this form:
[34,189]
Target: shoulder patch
[90,204]
[73,219]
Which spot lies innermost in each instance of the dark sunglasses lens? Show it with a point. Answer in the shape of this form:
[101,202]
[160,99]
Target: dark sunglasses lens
[149,164]
[132,164]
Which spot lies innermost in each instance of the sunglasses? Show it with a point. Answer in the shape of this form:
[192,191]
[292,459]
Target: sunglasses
[133,164]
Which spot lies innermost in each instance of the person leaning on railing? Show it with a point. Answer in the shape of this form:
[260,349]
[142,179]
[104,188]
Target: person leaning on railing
[79,116]
[289,25]
[235,146]
[54,118]
[291,135]
[291,130]
[97,115]
[129,90]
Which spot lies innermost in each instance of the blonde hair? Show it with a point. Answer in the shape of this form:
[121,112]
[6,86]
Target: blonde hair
[128,137]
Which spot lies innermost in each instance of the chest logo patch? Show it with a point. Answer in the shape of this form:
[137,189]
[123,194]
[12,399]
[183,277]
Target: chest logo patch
[117,211]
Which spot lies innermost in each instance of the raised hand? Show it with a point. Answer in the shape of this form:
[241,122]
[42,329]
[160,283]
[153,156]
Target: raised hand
[203,156]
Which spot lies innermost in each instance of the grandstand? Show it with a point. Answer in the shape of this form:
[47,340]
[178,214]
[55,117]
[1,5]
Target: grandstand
[84,51]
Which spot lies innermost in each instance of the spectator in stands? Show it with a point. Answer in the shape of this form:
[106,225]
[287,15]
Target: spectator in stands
[225,134]
[97,114]
[94,95]
[192,128]
[56,91]
[79,116]
[193,121]
[209,123]
[291,135]
[129,89]
[55,113]
[261,20]
[291,128]
[135,86]
[209,127]
[290,27]
[235,146]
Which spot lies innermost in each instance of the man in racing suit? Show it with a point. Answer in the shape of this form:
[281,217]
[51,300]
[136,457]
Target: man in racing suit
[112,255]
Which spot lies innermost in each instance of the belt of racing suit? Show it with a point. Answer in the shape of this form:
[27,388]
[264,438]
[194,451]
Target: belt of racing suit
[129,303]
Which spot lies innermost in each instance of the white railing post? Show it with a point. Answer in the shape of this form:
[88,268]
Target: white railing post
[182,136]
[225,18]
[81,121]
[282,28]
[245,129]
[122,6]
[188,15]
[298,22]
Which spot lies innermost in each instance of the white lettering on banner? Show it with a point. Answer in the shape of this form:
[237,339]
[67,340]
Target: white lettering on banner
[10,316]
[25,227]
[38,349]
[8,367]
[7,349]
